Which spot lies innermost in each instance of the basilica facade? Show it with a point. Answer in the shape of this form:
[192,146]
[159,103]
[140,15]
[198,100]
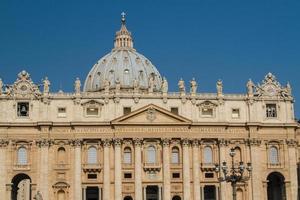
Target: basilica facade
[123,136]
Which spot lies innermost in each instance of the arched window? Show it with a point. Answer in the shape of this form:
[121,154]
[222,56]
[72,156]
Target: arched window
[208,155]
[151,154]
[175,155]
[273,155]
[92,155]
[127,155]
[61,155]
[22,156]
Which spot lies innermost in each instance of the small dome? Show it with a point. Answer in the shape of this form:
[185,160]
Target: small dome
[123,64]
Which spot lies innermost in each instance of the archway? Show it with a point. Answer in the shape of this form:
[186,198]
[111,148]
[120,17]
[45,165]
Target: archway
[128,198]
[176,197]
[276,186]
[21,187]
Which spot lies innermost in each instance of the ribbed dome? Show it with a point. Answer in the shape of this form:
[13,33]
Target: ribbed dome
[123,64]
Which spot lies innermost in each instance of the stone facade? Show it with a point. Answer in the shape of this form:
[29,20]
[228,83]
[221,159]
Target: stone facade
[145,143]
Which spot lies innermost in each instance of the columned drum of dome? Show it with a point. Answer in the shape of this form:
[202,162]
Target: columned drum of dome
[123,66]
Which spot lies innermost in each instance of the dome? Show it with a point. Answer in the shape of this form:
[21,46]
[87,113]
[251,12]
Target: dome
[123,65]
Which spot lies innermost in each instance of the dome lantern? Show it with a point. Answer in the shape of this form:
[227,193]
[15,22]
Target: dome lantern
[123,37]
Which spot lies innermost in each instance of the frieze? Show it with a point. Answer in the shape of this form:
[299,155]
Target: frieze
[82,130]
[151,129]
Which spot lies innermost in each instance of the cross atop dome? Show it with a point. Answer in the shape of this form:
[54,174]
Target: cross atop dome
[123,37]
[123,14]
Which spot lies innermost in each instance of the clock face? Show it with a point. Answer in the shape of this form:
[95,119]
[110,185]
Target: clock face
[271,91]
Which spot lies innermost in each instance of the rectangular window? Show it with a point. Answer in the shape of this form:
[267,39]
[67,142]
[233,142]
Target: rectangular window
[176,175]
[271,111]
[92,111]
[92,176]
[235,113]
[209,175]
[61,112]
[207,112]
[174,110]
[127,175]
[126,110]
[23,109]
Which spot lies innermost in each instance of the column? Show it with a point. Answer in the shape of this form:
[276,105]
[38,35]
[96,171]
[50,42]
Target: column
[118,169]
[77,169]
[186,170]
[256,173]
[222,154]
[3,170]
[84,193]
[196,168]
[166,169]
[106,169]
[292,144]
[138,170]
[44,152]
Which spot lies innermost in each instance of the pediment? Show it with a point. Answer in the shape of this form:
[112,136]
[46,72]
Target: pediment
[151,115]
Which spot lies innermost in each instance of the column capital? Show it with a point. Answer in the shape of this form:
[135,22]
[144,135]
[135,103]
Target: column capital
[106,142]
[185,142]
[76,142]
[138,141]
[44,142]
[195,143]
[165,142]
[254,142]
[223,142]
[291,142]
[4,143]
[118,141]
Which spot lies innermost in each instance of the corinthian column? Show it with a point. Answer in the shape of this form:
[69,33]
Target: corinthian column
[44,171]
[186,170]
[106,169]
[222,153]
[292,144]
[166,169]
[196,168]
[138,170]
[256,172]
[3,169]
[118,169]
[77,169]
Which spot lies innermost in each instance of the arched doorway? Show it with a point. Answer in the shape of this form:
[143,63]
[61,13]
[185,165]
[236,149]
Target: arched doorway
[21,187]
[128,198]
[176,197]
[276,186]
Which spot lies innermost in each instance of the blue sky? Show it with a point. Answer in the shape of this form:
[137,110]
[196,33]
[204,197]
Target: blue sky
[205,39]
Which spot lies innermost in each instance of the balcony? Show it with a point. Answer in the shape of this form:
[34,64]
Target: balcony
[152,167]
[91,167]
[21,167]
[208,167]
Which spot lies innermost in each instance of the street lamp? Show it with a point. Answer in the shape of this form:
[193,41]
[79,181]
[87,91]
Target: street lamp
[235,174]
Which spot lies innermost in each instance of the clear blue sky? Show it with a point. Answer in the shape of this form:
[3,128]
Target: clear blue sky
[205,39]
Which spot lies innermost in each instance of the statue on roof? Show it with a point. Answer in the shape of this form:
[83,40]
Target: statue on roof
[219,86]
[164,85]
[136,86]
[181,85]
[106,86]
[118,86]
[194,86]
[38,196]
[250,88]
[151,83]
[77,86]
[46,84]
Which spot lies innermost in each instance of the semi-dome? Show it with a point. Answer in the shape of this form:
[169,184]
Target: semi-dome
[124,66]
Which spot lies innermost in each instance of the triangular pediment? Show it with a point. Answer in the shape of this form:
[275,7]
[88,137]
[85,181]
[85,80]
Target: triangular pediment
[152,115]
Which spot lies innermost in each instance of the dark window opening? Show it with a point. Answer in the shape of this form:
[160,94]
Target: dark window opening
[174,110]
[271,110]
[23,109]
[210,192]
[92,176]
[209,175]
[127,175]
[175,175]
[126,110]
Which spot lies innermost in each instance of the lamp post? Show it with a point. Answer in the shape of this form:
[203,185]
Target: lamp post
[235,174]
